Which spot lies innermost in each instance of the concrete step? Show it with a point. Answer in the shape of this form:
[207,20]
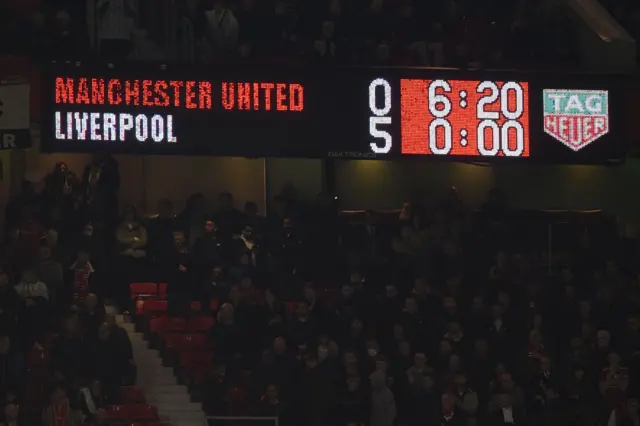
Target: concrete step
[168,389]
[180,416]
[170,398]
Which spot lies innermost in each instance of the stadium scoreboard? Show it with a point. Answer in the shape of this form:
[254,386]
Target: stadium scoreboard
[370,113]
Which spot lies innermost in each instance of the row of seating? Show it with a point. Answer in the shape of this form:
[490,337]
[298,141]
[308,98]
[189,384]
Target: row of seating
[128,413]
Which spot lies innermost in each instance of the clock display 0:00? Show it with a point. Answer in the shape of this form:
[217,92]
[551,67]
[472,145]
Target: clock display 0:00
[498,124]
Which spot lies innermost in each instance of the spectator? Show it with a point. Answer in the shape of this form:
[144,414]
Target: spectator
[82,274]
[181,277]
[12,365]
[101,178]
[383,405]
[10,304]
[160,235]
[117,21]
[132,243]
[60,412]
[114,362]
[271,405]
[72,353]
[49,270]
[92,314]
[223,27]
[92,399]
[192,218]
[35,297]
[12,416]
[506,413]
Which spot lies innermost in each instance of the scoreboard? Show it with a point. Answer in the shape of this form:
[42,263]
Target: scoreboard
[381,113]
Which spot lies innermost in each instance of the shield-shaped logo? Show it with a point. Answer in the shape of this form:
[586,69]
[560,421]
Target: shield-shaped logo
[576,117]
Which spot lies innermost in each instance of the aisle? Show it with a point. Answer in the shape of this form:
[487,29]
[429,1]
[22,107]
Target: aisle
[160,385]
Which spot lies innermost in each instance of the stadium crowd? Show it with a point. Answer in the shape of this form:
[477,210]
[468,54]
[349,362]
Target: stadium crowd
[491,33]
[430,315]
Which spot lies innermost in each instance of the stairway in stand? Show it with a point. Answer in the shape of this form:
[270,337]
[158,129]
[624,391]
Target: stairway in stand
[160,385]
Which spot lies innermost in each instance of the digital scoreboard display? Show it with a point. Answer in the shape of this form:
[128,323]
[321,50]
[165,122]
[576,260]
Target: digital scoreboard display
[377,113]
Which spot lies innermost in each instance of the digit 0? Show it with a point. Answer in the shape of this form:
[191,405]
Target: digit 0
[373,104]
[380,115]
[433,136]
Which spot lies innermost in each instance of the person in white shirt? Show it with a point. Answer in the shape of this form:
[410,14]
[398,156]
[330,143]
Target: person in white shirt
[31,290]
[116,23]
[35,297]
[223,27]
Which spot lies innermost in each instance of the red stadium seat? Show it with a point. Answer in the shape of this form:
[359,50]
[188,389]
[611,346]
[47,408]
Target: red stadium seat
[200,323]
[185,341]
[154,306]
[193,359]
[200,373]
[196,306]
[173,340]
[166,324]
[162,291]
[143,290]
[195,341]
[214,305]
[138,412]
[132,395]
[118,412]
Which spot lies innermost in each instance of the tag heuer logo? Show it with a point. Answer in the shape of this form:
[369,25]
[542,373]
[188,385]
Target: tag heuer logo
[576,117]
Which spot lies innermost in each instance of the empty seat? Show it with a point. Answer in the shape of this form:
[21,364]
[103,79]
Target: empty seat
[192,359]
[117,412]
[167,324]
[185,341]
[196,306]
[200,323]
[143,290]
[138,412]
[132,394]
[154,306]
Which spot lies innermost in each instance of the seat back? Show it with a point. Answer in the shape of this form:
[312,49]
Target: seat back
[143,290]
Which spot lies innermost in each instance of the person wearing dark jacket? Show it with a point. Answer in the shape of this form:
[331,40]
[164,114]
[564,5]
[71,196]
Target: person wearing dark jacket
[100,183]
[114,361]
[9,305]
[11,365]
[92,399]
[206,253]
[181,277]
[160,234]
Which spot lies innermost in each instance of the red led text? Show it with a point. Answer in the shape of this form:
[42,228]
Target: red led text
[188,94]
[260,96]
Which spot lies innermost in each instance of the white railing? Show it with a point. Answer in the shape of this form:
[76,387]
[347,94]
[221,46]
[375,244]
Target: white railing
[221,420]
